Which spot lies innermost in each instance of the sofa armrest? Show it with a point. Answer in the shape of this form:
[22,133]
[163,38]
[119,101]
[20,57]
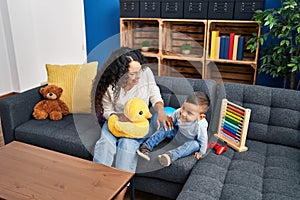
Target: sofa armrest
[17,109]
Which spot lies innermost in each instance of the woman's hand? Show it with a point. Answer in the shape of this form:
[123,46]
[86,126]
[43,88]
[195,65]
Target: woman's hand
[164,119]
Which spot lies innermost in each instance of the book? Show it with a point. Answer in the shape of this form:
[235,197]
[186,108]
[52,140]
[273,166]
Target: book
[222,43]
[226,47]
[214,34]
[240,50]
[231,43]
[235,46]
[217,48]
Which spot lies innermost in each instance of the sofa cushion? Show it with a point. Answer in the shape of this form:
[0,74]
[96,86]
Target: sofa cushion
[76,80]
[74,135]
[275,112]
[265,171]
[17,109]
[174,91]
[153,169]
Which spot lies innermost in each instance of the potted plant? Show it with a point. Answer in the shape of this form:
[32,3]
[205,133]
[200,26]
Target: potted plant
[186,48]
[280,41]
[145,44]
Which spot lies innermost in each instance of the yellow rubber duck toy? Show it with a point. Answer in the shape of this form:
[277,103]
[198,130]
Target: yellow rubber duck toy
[137,111]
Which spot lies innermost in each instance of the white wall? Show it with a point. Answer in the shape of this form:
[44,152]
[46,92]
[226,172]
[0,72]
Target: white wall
[8,83]
[42,31]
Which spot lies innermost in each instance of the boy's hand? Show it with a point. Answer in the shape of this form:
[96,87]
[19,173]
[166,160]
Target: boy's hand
[197,155]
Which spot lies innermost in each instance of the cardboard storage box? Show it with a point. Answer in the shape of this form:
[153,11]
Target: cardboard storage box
[195,9]
[220,9]
[172,9]
[150,8]
[129,8]
[244,9]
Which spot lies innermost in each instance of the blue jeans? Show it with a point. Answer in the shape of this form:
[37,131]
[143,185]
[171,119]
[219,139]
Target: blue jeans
[184,148]
[123,149]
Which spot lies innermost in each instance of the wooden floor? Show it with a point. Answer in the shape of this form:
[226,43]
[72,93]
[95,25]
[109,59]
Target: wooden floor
[1,135]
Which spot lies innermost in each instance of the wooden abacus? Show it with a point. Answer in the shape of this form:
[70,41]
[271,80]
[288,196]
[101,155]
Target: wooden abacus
[233,125]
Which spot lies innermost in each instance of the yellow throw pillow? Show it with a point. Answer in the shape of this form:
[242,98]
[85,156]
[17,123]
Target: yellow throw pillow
[76,80]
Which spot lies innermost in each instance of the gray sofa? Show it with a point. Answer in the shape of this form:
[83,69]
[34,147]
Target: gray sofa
[270,169]
[74,134]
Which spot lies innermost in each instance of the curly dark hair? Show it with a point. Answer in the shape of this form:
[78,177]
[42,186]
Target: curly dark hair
[113,72]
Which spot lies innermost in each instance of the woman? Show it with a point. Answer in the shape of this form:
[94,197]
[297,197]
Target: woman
[122,77]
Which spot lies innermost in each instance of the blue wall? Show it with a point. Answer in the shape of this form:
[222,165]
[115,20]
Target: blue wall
[262,78]
[102,22]
[103,26]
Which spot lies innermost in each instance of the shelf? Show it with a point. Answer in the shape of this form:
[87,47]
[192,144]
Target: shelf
[229,72]
[168,35]
[175,33]
[241,62]
[134,31]
[149,53]
[154,65]
[243,28]
[226,70]
[183,57]
[182,68]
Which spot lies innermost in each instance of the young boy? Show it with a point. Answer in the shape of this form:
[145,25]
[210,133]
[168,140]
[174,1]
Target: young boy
[190,135]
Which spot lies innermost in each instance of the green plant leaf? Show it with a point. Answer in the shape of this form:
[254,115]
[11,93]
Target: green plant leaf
[295,69]
[261,41]
[185,46]
[279,50]
[145,43]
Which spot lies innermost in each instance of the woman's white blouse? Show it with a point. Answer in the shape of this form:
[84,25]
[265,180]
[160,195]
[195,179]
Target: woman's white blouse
[146,89]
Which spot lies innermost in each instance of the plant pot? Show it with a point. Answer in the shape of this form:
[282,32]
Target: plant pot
[145,48]
[186,52]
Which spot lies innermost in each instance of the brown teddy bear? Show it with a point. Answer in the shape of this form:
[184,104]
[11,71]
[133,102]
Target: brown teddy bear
[51,106]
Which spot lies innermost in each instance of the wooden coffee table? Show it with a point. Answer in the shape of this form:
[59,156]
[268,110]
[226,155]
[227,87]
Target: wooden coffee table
[30,172]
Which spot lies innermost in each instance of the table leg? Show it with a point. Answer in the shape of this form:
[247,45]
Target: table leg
[131,188]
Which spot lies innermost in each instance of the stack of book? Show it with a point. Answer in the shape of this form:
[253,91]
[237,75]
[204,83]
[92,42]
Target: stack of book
[229,47]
